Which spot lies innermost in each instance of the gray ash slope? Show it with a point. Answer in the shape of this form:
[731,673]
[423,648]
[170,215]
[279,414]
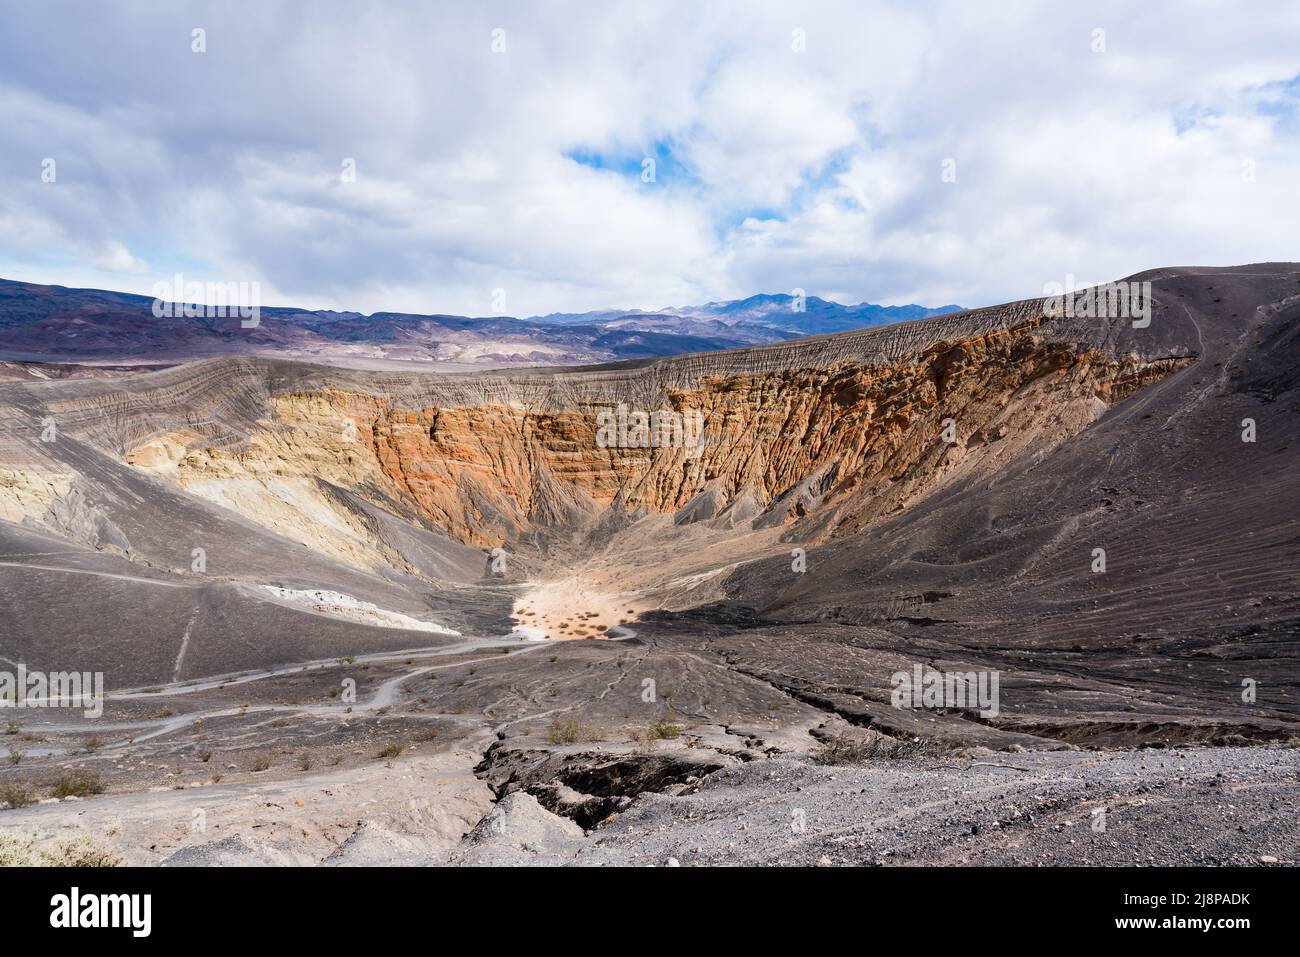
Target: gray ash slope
[1202,584]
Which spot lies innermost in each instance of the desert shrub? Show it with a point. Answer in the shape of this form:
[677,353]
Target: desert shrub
[571,731]
[391,750]
[16,794]
[662,730]
[17,850]
[79,782]
[80,851]
[261,762]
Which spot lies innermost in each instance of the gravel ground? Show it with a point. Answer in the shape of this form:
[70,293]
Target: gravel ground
[1226,806]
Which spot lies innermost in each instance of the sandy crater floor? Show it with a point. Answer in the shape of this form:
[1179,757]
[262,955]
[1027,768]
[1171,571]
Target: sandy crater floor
[571,608]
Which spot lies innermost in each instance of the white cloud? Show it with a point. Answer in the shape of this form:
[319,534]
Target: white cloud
[818,169]
[115,257]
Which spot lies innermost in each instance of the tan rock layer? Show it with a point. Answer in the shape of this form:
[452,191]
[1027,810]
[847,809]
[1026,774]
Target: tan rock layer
[837,446]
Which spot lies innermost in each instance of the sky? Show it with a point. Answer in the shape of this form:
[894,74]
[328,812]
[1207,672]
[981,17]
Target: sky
[490,158]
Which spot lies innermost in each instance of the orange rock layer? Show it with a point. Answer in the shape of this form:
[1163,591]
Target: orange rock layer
[837,447]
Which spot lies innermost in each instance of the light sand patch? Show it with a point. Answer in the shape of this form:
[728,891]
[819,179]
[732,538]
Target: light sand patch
[274,480]
[338,605]
[30,494]
[572,609]
[161,454]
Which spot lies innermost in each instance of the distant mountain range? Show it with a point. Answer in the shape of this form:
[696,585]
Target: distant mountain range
[775,315]
[95,325]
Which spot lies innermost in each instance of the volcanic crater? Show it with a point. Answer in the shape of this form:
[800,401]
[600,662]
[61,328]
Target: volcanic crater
[300,571]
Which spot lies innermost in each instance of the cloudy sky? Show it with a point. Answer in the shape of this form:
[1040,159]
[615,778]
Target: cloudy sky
[794,145]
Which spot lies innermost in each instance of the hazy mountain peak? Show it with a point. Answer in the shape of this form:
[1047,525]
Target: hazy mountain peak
[54,322]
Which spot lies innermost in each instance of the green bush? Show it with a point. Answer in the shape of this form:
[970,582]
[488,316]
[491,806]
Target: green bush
[662,730]
[571,731]
[79,782]
[16,794]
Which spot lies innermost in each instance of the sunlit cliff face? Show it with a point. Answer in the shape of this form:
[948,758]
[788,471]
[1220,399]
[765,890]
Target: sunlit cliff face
[823,451]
